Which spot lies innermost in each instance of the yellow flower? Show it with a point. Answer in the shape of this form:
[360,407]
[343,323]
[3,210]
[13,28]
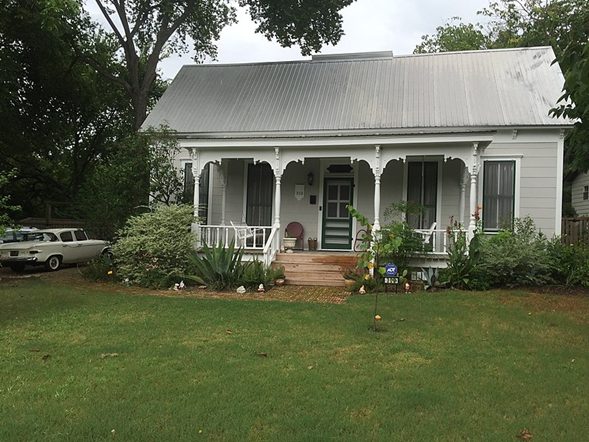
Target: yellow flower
[367,276]
[377,317]
[109,272]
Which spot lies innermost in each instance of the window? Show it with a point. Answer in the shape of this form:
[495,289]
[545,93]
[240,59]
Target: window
[66,236]
[422,190]
[80,235]
[203,190]
[498,194]
[586,193]
[260,184]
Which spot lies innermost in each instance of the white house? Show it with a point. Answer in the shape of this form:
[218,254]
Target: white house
[267,144]
[580,194]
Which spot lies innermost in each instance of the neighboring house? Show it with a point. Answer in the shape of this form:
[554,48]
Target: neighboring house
[580,194]
[266,144]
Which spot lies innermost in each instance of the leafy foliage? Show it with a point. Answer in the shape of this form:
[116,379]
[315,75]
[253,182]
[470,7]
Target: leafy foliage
[58,118]
[99,269]
[463,257]
[154,248]
[5,207]
[570,263]
[454,36]
[255,273]
[517,257]
[396,241]
[219,267]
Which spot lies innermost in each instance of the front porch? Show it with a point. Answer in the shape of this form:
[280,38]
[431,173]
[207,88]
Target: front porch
[253,192]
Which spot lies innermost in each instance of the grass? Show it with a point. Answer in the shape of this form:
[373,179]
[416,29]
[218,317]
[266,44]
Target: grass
[83,363]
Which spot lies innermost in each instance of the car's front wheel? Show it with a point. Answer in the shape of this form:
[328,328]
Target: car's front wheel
[53,263]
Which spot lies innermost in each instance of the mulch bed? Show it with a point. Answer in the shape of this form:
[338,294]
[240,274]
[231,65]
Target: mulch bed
[72,276]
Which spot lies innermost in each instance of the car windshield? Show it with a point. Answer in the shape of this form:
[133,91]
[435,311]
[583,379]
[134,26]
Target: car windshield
[42,236]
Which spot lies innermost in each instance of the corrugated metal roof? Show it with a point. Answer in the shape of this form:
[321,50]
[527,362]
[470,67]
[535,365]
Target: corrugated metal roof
[459,90]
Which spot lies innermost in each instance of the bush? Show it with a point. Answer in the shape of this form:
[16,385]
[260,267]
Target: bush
[461,261]
[517,257]
[255,273]
[154,248]
[569,263]
[99,269]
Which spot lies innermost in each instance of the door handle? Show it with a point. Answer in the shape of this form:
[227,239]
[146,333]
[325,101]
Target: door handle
[320,208]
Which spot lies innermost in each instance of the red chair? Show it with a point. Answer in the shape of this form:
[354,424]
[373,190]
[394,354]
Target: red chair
[295,230]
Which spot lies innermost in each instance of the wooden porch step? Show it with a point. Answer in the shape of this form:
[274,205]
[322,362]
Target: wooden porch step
[315,268]
[314,282]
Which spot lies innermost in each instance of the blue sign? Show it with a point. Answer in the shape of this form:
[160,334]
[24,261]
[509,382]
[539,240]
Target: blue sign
[390,269]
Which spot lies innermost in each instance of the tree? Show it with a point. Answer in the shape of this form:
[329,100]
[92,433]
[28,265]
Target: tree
[143,32]
[58,118]
[562,24]
[454,36]
[5,207]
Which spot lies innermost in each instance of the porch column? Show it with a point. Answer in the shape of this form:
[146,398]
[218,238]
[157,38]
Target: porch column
[223,179]
[377,174]
[278,178]
[463,179]
[196,197]
[473,190]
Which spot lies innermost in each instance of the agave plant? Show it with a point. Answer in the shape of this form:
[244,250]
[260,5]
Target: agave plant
[217,267]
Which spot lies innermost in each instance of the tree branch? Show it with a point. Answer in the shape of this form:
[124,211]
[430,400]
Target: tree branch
[110,22]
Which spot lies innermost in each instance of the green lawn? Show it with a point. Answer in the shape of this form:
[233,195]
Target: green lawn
[446,366]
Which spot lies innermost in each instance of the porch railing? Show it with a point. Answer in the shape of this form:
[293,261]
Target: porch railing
[436,241]
[258,239]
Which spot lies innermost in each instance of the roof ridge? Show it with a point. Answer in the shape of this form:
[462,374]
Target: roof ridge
[328,57]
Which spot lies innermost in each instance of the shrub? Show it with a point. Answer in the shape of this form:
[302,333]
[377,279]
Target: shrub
[218,267]
[99,269]
[255,273]
[569,263]
[153,248]
[461,263]
[512,258]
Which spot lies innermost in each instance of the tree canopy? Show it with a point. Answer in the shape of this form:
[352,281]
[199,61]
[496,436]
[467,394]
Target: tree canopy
[143,32]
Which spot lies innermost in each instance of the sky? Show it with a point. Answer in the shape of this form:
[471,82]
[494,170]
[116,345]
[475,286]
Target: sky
[369,25]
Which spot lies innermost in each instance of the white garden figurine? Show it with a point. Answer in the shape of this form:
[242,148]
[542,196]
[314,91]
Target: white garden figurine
[181,286]
[240,289]
[261,288]
[362,290]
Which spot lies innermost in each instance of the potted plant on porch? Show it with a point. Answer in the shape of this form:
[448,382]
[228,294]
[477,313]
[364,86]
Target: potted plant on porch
[288,242]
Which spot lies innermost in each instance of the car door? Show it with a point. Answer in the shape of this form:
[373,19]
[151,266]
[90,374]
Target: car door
[70,247]
[88,248]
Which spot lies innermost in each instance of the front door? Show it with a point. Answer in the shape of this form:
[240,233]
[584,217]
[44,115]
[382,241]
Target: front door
[337,222]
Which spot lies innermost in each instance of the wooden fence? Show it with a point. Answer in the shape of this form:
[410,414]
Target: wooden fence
[575,230]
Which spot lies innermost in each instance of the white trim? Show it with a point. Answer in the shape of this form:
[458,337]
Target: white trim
[320,205]
[323,163]
[210,191]
[355,186]
[559,184]
[517,186]
[335,141]
[245,176]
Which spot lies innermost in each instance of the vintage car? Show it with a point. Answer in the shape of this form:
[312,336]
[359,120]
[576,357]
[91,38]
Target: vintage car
[52,248]
[16,235]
